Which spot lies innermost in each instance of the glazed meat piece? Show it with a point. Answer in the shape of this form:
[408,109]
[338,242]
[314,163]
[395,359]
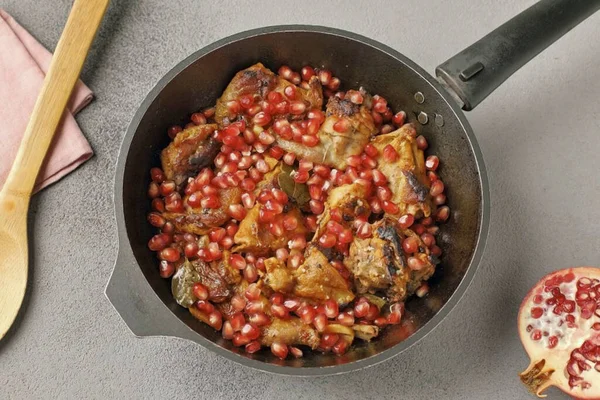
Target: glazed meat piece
[379,263]
[335,146]
[290,332]
[200,220]
[350,200]
[190,151]
[316,279]
[406,176]
[257,239]
[258,81]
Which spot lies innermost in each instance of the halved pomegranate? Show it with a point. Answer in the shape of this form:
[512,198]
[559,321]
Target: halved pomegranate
[559,325]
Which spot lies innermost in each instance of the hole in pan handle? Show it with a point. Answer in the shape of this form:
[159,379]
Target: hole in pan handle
[478,70]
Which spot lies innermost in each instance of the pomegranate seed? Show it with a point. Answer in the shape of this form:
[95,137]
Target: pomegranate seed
[418,229]
[311,223]
[261,119]
[422,290]
[371,150]
[237,211]
[205,306]
[437,188]
[153,190]
[248,200]
[380,322]
[215,319]
[198,118]
[156,220]
[282,254]
[279,311]
[316,192]
[279,195]
[428,239]
[276,228]
[354,161]
[167,187]
[252,347]
[166,269]
[334,83]
[231,228]
[440,199]
[320,322]
[250,273]
[361,309]
[290,92]
[537,312]
[334,227]
[297,107]
[279,350]
[290,222]
[289,158]
[259,319]
[208,190]
[331,309]
[373,312]
[297,243]
[442,214]
[301,177]
[191,250]
[329,339]
[432,162]
[250,331]
[310,140]
[216,234]
[274,206]
[237,261]
[210,202]
[384,193]
[233,106]
[174,130]
[238,303]
[345,236]
[252,292]
[385,129]
[227,331]
[281,109]
[240,340]
[285,72]
[355,97]
[346,318]
[325,77]
[316,206]
[265,216]
[390,154]
[247,100]
[291,304]
[394,318]
[422,143]
[307,72]
[399,118]
[157,175]
[306,314]
[255,109]
[342,125]
[379,104]
[365,230]
[169,254]
[415,264]
[296,352]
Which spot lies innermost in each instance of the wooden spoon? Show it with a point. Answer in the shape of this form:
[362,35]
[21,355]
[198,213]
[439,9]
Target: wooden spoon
[64,71]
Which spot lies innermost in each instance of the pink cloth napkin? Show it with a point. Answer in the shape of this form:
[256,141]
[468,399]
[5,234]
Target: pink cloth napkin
[23,65]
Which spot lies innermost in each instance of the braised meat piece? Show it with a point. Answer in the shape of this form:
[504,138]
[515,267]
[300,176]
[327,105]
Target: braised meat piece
[380,264]
[406,175]
[257,81]
[200,220]
[316,279]
[290,332]
[354,129]
[258,239]
[191,150]
[350,200]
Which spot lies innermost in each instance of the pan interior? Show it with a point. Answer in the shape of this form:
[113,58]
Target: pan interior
[357,64]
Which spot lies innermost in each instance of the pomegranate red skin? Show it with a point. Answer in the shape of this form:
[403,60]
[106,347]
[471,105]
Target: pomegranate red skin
[548,365]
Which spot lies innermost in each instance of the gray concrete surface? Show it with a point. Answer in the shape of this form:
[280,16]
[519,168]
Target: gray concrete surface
[540,135]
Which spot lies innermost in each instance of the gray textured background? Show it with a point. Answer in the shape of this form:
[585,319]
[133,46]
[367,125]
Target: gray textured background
[540,135]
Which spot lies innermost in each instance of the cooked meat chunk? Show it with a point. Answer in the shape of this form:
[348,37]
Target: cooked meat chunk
[190,151]
[256,238]
[406,176]
[349,199]
[335,147]
[379,263]
[258,81]
[200,220]
[290,332]
[317,279]
[215,278]
[278,277]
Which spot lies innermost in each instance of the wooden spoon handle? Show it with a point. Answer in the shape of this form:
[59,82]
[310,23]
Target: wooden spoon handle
[66,65]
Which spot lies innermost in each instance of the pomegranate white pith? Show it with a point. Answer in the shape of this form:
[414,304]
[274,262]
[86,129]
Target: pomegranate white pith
[559,325]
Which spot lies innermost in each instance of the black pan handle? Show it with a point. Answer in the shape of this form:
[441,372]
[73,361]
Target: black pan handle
[479,69]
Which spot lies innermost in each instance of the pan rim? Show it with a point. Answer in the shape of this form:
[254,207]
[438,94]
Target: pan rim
[125,250]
